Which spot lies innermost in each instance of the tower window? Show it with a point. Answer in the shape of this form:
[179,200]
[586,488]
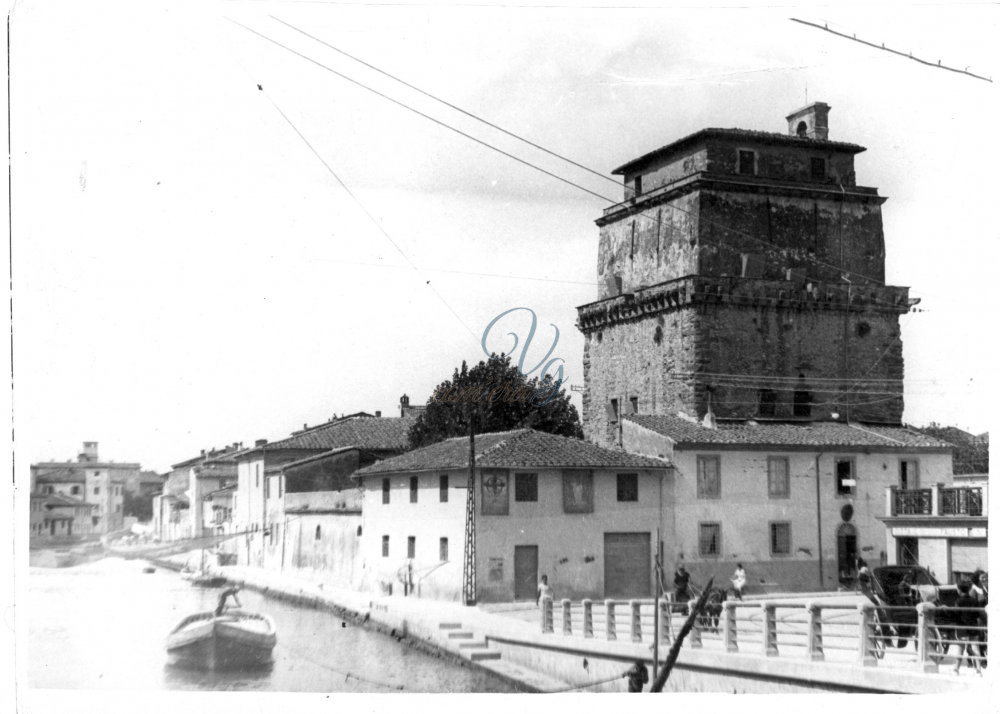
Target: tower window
[801,129]
[747,163]
[613,411]
[817,168]
[802,403]
[767,400]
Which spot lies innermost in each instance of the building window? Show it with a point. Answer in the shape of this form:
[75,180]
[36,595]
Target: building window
[385,546]
[267,487]
[319,533]
[909,474]
[638,185]
[385,490]
[256,474]
[281,483]
[628,487]
[634,404]
[413,489]
[709,481]
[767,401]
[777,477]
[94,520]
[781,538]
[526,488]
[75,490]
[97,490]
[613,411]
[817,168]
[709,539]
[443,549]
[118,508]
[747,163]
[846,482]
[411,547]
[443,489]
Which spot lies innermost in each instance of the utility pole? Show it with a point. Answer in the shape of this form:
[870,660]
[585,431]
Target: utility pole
[469,569]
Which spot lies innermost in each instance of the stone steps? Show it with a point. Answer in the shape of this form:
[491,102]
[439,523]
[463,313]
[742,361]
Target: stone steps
[525,679]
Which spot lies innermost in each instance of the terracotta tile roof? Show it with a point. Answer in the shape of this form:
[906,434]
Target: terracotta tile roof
[58,499]
[60,475]
[523,448]
[376,433]
[813,434]
[766,137]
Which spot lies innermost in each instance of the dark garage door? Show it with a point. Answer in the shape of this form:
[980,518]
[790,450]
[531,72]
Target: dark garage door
[525,572]
[626,565]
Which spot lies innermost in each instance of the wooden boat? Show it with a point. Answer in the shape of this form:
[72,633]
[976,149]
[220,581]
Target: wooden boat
[201,577]
[236,639]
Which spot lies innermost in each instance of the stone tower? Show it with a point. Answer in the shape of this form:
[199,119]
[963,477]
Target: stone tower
[742,277]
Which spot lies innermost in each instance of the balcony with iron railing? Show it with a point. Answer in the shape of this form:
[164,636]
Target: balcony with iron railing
[939,500]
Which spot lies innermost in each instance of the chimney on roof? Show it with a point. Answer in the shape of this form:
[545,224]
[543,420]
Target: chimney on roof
[378,413]
[89,452]
[810,122]
[260,442]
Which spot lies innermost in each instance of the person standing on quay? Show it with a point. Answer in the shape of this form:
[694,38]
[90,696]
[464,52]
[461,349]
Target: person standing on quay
[739,581]
[544,589]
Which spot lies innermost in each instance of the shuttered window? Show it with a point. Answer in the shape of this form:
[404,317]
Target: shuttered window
[777,477]
[709,483]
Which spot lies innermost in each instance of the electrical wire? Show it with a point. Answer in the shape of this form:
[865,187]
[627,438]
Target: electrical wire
[529,164]
[446,103]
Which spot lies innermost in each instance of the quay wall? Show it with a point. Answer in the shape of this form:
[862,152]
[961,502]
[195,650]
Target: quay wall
[577,661]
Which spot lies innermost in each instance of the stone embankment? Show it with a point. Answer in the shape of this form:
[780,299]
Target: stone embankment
[507,641]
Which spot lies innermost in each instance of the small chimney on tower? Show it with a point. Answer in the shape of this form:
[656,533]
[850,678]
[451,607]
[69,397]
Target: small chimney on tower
[810,122]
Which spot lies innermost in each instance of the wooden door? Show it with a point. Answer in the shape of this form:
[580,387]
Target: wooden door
[525,572]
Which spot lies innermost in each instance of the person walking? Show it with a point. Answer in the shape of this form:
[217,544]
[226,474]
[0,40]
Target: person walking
[638,676]
[739,581]
[682,582]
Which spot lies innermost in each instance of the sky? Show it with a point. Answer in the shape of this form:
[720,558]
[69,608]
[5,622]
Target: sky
[217,239]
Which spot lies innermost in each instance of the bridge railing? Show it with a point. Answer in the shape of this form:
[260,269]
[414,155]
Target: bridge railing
[920,637]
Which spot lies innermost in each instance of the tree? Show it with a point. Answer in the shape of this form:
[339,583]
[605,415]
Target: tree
[499,398]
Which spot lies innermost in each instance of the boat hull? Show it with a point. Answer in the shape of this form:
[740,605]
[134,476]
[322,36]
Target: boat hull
[220,644]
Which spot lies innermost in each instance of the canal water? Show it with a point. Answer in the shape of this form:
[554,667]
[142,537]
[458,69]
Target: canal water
[103,625]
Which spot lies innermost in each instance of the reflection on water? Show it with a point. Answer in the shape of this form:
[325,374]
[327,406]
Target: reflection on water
[104,625]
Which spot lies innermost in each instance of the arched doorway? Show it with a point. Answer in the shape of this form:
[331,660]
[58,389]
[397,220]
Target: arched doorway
[847,552]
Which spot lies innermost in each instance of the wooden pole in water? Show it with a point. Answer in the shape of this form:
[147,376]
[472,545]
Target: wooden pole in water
[675,650]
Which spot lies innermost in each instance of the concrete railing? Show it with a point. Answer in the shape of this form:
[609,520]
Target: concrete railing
[919,638]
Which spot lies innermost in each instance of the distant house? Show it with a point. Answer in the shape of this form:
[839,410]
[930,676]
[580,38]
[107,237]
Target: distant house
[313,464]
[91,481]
[54,516]
[585,516]
[179,511]
[778,497]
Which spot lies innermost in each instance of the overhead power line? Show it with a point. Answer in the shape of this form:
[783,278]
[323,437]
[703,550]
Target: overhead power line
[907,55]
[446,103]
[551,174]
